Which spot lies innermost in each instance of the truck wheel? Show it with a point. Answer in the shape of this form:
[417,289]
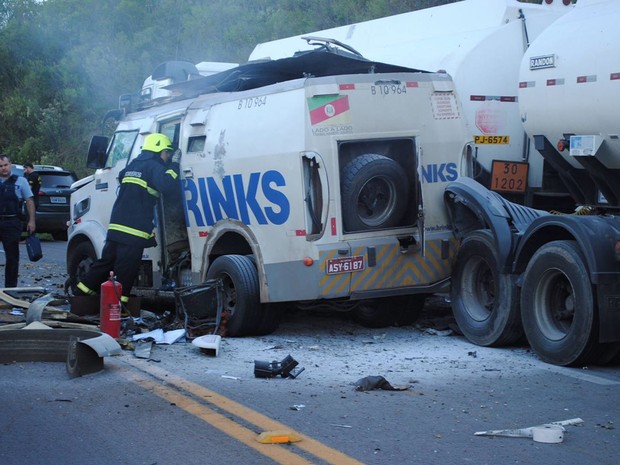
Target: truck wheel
[388,311]
[79,260]
[409,309]
[372,314]
[485,302]
[271,315]
[375,193]
[557,306]
[241,293]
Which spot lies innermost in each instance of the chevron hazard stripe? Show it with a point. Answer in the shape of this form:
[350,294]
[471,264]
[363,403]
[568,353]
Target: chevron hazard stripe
[392,269]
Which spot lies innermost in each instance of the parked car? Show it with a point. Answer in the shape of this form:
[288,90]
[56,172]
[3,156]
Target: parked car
[52,203]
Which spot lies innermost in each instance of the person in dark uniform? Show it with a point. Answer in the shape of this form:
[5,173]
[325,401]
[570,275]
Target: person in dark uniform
[154,172]
[33,179]
[13,191]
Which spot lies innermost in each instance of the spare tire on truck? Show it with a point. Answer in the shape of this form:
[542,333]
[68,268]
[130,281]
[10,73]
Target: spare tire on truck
[375,193]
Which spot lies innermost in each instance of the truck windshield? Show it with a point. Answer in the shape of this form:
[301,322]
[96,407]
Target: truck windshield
[121,146]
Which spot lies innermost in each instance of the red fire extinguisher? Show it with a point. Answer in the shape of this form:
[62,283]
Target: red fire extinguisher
[110,307]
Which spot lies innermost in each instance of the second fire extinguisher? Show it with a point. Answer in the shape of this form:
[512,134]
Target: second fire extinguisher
[110,307]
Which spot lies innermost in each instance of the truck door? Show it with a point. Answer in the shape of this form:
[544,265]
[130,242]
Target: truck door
[122,147]
[170,229]
[388,249]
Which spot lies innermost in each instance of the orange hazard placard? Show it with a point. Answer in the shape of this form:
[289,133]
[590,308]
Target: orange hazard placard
[509,176]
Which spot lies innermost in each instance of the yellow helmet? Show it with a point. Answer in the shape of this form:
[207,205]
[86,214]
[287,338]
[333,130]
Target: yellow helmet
[157,142]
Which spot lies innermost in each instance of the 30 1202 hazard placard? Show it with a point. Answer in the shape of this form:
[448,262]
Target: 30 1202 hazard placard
[509,176]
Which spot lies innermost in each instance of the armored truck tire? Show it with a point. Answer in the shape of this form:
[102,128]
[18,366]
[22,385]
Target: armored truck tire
[389,311]
[271,314]
[557,306]
[79,260]
[485,302]
[409,309]
[375,193]
[242,307]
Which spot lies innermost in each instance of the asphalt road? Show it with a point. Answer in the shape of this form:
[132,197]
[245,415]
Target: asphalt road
[185,407]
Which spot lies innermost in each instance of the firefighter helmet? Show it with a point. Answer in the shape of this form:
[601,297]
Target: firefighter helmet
[157,142]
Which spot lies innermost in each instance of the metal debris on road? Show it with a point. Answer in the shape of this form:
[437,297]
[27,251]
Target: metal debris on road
[548,432]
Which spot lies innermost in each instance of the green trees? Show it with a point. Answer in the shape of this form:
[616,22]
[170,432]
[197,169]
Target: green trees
[63,63]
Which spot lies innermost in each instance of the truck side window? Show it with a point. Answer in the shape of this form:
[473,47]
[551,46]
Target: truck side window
[196,144]
[172,129]
[121,147]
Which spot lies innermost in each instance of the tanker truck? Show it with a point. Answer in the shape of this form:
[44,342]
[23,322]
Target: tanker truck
[554,278]
[480,43]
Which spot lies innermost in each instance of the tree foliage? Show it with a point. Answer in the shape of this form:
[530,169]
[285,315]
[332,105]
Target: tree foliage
[63,63]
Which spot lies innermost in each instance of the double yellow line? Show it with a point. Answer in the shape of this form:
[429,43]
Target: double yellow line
[183,394]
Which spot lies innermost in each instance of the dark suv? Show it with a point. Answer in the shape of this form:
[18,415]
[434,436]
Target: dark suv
[53,200]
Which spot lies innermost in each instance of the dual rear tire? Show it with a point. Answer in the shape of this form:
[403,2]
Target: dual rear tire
[555,307]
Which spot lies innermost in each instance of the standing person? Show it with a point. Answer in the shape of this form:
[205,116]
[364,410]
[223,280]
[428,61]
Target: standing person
[13,191]
[33,178]
[131,222]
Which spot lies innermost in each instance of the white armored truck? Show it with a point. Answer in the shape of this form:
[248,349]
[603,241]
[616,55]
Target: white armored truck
[305,180]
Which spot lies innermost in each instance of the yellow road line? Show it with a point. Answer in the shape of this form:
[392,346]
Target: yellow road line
[233,429]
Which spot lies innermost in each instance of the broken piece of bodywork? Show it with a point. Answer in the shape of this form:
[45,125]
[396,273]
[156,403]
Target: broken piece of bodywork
[81,350]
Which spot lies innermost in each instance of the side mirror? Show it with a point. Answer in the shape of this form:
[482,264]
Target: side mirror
[97,152]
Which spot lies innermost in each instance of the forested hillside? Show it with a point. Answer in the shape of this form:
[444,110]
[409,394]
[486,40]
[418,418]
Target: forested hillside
[63,63]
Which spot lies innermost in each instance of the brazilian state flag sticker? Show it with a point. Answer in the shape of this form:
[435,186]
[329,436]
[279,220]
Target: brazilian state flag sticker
[333,109]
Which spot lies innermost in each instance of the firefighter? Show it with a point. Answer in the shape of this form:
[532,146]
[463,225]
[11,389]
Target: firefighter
[154,172]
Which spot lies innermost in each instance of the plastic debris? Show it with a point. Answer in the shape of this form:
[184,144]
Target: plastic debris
[277,437]
[287,368]
[529,431]
[142,349]
[209,344]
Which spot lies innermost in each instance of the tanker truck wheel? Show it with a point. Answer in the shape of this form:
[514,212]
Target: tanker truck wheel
[557,306]
[485,302]
[375,193]
[241,293]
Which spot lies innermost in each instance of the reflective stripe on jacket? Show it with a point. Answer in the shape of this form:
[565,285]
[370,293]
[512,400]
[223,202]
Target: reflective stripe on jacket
[142,183]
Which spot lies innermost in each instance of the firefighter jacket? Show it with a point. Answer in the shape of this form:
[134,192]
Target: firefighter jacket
[141,184]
